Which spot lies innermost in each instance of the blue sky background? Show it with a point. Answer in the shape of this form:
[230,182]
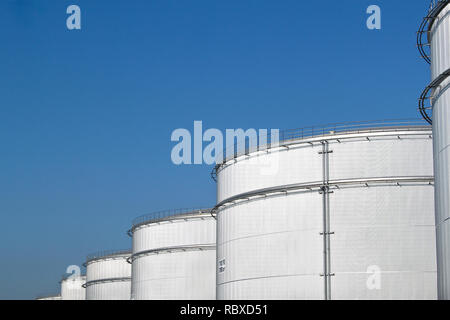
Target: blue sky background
[86,116]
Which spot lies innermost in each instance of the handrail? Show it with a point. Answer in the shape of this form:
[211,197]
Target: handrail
[322,131]
[106,253]
[68,275]
[317,185]
[435,9]
[161,215]
[423,108]
[106,280]
[185,248]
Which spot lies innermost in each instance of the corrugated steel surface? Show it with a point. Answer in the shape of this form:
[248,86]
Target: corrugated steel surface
[109,278]
[272,247]
[388,227]
[359,158]
[440,57]
[174,258]
[179,275]
[172,233]
[302,165]
[109,290]
[72,288]
[440,33]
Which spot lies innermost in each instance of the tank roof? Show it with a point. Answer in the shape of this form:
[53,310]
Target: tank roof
[167,215]
[107,254]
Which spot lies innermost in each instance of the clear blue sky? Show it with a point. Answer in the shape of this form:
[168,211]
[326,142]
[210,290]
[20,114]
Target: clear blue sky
[86,116]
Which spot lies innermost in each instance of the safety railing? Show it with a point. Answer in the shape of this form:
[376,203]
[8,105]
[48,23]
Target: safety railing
[160,215]
[186,248]
[355,127]
[423,35]
[317,185]
[72,275]
[106,254]
[264,143]
[436,7]
[107,280]
[426,110]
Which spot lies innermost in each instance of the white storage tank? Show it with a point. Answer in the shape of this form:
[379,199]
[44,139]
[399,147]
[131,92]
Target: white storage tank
[174,256]
[108,275]
[72,287]
[437,25]
[339,212]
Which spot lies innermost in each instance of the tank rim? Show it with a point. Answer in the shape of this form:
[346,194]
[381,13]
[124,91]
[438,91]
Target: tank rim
[106,254]
[328,132]
[167,215]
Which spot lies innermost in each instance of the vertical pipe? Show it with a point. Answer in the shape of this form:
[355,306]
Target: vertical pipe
[325,189]
[325,260]
[328,235]
[217,256]
[441,147]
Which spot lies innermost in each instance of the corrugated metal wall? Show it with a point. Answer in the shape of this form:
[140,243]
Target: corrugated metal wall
[109,278]
[175,276]
[72,288]
[440,58]
[272,247]
[174,259]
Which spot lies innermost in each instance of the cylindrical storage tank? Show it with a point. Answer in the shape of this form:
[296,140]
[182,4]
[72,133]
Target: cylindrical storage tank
[108,275]
[72,287]
[174,256]
[440,63]
[347,214]
[48,297]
